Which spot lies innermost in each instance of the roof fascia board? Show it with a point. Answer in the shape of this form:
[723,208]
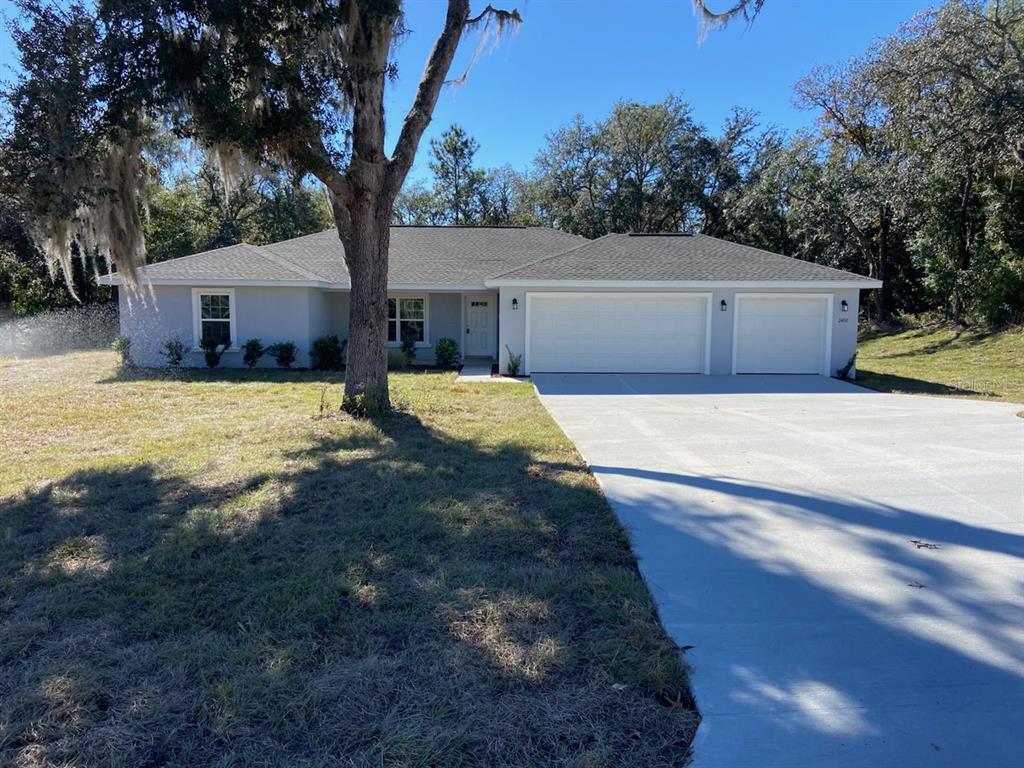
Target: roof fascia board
[117,280]
[787,284]
[439,287]
[436,287]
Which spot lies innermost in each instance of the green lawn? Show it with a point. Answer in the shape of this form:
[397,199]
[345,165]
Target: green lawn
[943,361]
[196,570]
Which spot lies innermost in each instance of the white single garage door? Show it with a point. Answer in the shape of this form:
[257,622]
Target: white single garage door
[617,332]
[781,333]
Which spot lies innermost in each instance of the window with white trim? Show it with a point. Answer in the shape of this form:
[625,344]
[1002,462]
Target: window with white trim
[215,317]
[407,317]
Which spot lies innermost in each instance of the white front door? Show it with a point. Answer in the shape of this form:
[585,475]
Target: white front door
[481,313]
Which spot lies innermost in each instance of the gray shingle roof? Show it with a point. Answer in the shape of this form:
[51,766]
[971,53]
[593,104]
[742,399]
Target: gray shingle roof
[435,255]
[473,256]
[418,255]
[234,262]
[672,257]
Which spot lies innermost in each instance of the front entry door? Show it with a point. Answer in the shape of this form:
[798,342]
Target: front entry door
[481,314]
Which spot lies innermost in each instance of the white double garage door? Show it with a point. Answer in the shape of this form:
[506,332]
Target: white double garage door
[676,333]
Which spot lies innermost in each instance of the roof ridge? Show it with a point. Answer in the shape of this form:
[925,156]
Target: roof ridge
[585,243]
[783,256]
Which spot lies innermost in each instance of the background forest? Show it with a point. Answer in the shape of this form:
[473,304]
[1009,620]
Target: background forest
[913,175]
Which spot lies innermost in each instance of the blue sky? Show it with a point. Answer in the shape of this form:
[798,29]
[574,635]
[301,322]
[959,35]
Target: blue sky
[581,56]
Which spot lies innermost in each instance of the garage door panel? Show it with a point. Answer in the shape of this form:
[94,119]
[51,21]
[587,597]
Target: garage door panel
[781,334]
[617,332]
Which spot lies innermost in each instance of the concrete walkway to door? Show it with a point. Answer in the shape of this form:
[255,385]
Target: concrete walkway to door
[847,565]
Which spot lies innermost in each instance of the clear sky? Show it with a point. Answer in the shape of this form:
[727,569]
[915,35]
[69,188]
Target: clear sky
[581,56]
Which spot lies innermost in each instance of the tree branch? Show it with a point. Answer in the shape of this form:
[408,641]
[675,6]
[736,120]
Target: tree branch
[710,20]
[418,118]
[313,157]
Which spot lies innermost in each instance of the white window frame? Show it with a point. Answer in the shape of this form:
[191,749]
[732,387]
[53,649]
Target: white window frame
[197,322]
[426,317]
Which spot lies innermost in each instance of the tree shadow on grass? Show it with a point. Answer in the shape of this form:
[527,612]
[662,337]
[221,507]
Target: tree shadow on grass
[391,596]
[888,382]
[957,338]
[229,375]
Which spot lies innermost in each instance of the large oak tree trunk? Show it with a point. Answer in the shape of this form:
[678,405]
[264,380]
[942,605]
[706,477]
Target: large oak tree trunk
[363,215]
[363,200]
[366,253]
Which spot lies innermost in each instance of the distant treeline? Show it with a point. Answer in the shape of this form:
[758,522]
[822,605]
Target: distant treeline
[913,175]
[188,215]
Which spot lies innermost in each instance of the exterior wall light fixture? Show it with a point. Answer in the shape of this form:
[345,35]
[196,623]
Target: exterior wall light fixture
[515,304]
[845,305]
[723,305]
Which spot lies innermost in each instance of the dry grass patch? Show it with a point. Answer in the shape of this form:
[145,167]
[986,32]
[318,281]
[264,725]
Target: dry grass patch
[194,570]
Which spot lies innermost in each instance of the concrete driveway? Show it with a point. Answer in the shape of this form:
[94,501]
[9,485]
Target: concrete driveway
[847,565]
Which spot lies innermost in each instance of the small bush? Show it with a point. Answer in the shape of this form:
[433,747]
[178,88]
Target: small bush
[328,353]
[446,352]
[284,353]
[514,362]
[252,351]
[174,350]
[213,350]
[397,359]
[123,346]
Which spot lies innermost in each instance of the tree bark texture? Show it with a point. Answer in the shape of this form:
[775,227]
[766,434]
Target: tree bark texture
[363,199]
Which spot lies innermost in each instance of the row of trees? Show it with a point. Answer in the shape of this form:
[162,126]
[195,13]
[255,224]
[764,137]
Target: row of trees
[462,193]
[196,213]
[189,214]
[913,173]
[645,168]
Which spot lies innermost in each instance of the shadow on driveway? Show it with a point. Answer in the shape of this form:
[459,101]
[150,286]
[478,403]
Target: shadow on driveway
[682,384]
[846,570]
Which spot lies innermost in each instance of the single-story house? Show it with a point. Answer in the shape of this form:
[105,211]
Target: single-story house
[671,303]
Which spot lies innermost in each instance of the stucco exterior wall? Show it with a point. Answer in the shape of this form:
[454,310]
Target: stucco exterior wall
[338,303]
[301,314]
[844,329]
[512,323]
[267,313]
[150,321]
[445,313]
[444,317]
[319,314]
